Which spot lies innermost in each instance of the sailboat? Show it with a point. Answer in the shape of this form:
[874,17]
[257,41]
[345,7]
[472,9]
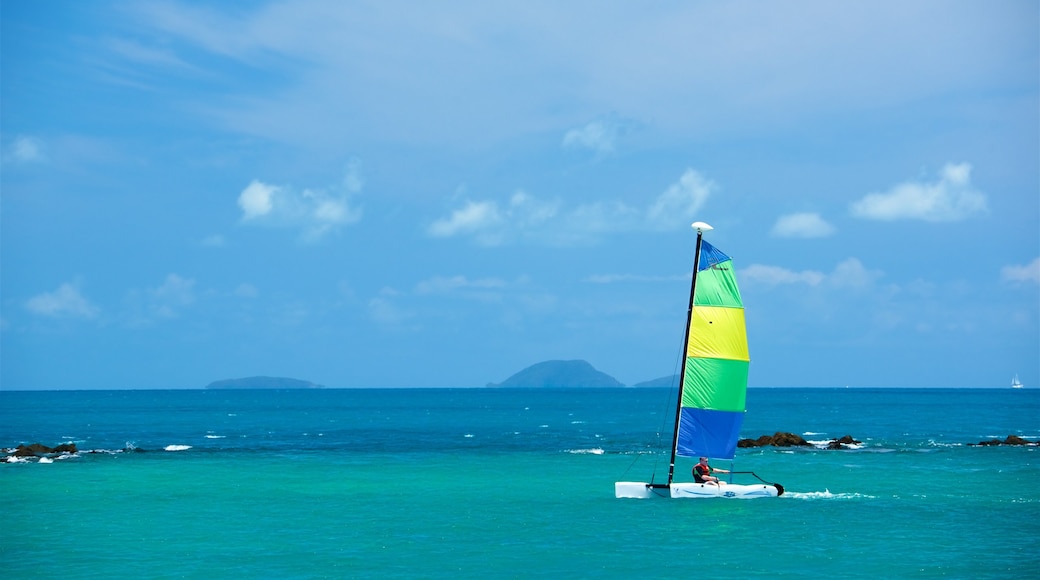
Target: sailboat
[713,385]
[1015,383]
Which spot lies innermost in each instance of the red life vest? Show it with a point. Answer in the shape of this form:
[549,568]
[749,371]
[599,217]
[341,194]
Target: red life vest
[699,471]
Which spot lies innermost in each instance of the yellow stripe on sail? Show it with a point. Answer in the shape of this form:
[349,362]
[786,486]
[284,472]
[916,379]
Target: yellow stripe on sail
[718,332]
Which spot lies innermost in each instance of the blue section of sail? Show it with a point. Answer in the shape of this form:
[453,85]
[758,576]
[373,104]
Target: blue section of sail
[703,432]
[710,256]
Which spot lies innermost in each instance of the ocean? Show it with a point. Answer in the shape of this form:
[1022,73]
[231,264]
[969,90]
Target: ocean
[511,483]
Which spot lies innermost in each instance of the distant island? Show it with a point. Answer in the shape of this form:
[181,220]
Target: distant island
[672,381]
[559,373]
[263,383]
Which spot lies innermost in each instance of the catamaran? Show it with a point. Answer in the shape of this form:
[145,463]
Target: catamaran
[713,385]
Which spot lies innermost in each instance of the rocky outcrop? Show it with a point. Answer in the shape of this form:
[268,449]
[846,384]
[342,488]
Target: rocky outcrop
[39,450]
[779,439]
[843,443]
[1011,440]
[782,439]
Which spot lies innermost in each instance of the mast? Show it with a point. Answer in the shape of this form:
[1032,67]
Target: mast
[701,227]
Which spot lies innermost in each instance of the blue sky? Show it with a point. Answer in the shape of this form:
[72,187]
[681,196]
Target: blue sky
[441,194]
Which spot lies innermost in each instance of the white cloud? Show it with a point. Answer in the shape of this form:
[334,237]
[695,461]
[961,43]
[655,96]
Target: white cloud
[470,218]
[599,136]
[65,301]
[528,217]
[852,274]
[1027,273]
[25,149]
[950,198]
[449,284]
[802,225]
[314,212]
[256,200]
[526,211]
[681,200]
[849,273]
[775,275]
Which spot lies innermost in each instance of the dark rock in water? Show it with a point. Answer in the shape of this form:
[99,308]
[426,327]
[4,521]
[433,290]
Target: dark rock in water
[760,442]
[27,450]
[560,373]
[1011,440]
[779,439]
[263,383]
[841,443]
[41,450]
[784,439]
[789,440]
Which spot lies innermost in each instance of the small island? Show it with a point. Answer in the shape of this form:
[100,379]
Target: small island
[559,373]
[263,383]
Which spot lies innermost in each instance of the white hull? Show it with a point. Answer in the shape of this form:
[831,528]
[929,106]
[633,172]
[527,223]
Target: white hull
[641,490]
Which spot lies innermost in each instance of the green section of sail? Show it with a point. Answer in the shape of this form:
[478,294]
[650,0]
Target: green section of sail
[717,286]
[716,384]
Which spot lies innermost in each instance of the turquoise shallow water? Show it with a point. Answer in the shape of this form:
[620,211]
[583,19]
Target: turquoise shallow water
[450,483]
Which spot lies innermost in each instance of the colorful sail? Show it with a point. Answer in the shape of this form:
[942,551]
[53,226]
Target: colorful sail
[714,384]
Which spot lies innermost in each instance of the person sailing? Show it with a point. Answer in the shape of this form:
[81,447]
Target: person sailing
[702,473]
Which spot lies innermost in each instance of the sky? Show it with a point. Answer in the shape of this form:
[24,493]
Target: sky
[419,194]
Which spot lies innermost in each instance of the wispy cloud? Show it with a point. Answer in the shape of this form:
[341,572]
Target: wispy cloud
[1027,273]
[135,52]
[802,225]
[66,301]
[680,201]
[213,241]
[949,198]
[25,149]
[451,284]
[636,61]
[849,273]
[314,212]
[550,222]
[383,309]
[164,302]
[472,218]
[172,296]
[775,276]
[637,278]
[600,136]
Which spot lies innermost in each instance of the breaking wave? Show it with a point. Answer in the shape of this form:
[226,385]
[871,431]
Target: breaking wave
[593,451]
[825,494]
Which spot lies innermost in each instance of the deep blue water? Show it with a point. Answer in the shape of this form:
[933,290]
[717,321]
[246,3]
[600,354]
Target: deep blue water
[510,483]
